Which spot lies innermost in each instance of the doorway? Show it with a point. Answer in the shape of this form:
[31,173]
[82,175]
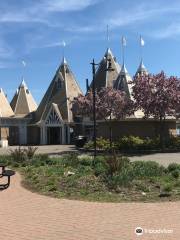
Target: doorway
[54,135]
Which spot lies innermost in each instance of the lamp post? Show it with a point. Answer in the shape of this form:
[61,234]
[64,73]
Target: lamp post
[109,68]
[94,105]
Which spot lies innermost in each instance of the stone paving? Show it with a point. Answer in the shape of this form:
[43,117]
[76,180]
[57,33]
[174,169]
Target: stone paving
[29,216]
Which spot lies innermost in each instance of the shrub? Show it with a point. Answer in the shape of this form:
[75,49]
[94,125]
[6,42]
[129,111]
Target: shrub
[115,163]
[18,154]
[173,142]
[173,166]
[175,173]
[167,187]
[123,178]
[147,169]
[70,160]
[128,143]
[101,144]
[30,151]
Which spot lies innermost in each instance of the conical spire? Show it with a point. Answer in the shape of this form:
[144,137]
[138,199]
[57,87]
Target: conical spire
[141,69]
[62,90]
[64,61]
[104,78]
[23,84]
[5,108]
[23,102]
[124,81]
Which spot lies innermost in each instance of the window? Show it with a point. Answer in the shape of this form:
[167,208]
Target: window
[59,84]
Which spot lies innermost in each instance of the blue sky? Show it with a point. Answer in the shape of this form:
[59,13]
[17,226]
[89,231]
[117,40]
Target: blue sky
[34,30]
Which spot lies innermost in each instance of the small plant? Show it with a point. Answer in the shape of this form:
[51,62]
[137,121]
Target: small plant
[30,151]
[175,173]
[18,154]
[167,187]
[123,178]
[173,166]
[116,163]
[147,169]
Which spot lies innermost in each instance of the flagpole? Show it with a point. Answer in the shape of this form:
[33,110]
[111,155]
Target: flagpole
[64,45]
[123,51]
[141,49]
[23,69]
[108,40]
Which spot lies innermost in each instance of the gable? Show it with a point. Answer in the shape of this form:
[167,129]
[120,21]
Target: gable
[53,117]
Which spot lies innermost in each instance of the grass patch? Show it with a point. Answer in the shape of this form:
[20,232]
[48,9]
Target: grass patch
[107,178]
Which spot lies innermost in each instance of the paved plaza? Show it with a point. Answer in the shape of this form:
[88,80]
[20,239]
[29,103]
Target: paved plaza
[29,216]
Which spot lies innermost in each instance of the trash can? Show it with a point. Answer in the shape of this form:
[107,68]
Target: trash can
[80,141]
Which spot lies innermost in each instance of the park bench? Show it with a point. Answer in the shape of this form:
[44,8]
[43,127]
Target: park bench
[5,173]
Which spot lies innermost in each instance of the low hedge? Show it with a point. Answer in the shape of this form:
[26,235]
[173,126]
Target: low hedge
[135,144]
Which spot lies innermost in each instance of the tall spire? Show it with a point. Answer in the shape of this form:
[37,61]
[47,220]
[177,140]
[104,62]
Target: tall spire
[104,78]
[141,69]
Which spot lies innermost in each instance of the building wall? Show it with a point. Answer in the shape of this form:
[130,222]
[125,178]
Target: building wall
[136,128]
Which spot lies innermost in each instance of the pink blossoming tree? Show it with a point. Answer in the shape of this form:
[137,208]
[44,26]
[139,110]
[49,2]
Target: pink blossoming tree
[111,104]
[158,96]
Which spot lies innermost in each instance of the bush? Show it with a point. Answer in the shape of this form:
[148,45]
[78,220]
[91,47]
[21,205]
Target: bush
[173,166]
[115,163]
[101,143]
[167,187]
[147,169]
[175,173]
[18,154]
[123,178]
[30,151]
[173,143]
[130,143]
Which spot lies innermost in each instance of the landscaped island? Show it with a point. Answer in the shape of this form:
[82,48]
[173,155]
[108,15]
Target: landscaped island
[106,178]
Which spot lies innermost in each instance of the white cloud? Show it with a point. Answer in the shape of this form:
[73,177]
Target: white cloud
[41,10]
[141,14]
[70,5]
[170,31]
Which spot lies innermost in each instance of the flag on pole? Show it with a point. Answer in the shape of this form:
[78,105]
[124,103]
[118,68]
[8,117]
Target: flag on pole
[63,43]
[24,63]
[124,43]
[142,41]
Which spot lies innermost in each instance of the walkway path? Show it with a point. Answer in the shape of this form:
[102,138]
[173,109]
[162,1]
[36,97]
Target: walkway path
[28,216]
[162,158]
